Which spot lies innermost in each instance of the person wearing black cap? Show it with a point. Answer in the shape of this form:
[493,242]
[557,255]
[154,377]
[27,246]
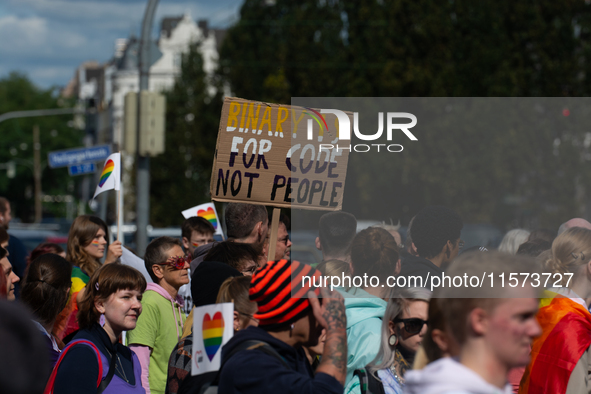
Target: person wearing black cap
[204,291]
[288,320]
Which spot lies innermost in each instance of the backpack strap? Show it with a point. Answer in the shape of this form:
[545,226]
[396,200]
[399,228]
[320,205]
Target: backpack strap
[105,382]
[362,375]
[368,382]
[51,381]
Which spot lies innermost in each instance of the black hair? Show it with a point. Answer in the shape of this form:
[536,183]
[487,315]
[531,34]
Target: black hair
[432,227]
[336,231]
[232,253]
[196,223]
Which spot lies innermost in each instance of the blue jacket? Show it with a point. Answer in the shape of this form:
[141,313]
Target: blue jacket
[364,327]
[256,372]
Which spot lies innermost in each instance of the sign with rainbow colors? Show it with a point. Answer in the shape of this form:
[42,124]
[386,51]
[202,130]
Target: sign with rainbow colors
[213,326]
[111,176]
[208,212]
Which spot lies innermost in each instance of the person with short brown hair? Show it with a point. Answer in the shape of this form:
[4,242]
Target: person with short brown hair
[493,326]
[154,336]
[113,296]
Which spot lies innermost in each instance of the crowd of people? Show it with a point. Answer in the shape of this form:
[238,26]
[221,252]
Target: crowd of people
[96,318]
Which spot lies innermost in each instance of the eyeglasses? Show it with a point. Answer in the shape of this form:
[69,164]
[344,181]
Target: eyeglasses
[251,317]
[413,325]
[250,269]
[177,262]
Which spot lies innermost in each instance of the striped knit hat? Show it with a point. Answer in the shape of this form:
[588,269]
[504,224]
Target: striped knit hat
[277,289]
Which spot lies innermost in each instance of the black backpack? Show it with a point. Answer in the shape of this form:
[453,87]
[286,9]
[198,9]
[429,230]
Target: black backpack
[212,387]
[368,382]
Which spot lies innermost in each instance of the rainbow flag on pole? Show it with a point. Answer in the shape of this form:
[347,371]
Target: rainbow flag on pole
[566,335]
[111,176]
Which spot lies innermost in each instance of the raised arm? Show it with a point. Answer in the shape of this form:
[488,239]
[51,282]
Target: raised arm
[331,315]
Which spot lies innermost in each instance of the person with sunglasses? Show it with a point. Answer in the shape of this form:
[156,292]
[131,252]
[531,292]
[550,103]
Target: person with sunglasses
[403,328]
[153,338]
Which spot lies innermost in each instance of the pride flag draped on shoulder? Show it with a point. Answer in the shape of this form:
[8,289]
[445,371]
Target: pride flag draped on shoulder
[566,335]
[111,176]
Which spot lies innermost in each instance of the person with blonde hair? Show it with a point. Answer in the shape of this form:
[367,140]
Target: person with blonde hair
[561,356]
[512,240]
[88,240]
[403,329]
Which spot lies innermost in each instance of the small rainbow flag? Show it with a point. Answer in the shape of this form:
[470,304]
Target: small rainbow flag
[111,176]
[208,212]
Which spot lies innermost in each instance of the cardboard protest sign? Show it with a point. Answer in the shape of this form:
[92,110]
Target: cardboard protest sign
[213,326]
[272,154]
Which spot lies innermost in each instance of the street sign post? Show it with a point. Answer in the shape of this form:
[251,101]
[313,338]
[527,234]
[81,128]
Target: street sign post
[81,169]
[70,157]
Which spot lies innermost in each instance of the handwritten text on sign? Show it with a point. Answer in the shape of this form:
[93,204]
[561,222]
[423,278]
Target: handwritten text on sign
[270,154]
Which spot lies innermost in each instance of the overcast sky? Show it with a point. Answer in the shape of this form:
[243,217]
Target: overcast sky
[48,39]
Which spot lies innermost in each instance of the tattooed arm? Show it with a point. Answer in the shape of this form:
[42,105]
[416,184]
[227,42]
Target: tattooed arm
[331,316]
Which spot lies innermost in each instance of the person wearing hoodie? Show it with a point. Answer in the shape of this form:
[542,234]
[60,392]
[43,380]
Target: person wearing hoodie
[436,236]
[288,320]
[153,338]
[374,252]
[493,326]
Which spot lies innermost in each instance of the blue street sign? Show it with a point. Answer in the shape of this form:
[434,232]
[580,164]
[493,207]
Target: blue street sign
[80,169]
[69,157]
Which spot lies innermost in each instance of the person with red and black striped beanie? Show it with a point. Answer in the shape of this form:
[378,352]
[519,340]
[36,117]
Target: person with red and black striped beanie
[290,316]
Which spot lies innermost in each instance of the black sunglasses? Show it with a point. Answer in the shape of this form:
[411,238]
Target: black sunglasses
[413,325]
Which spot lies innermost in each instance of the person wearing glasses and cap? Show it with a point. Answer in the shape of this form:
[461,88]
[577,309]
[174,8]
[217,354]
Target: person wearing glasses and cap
[403,328]
[153,339]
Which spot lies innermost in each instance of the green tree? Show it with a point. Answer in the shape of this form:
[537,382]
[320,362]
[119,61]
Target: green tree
[18,93]
[419,48]
[180,177]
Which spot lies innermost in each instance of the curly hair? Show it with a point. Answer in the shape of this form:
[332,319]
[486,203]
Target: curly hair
[374,252]
[82,232]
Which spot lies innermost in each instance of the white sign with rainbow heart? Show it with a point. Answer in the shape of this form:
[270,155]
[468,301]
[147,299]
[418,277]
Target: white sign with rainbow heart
[208,212]
[213,326]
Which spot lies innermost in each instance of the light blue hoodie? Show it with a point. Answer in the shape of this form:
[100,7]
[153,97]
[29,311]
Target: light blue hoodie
[364,326]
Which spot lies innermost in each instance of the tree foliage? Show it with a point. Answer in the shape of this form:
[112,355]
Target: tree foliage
[418,48]
[180,176]
[17,93]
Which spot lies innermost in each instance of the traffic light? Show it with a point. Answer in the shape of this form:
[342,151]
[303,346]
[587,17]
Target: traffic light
[152,125]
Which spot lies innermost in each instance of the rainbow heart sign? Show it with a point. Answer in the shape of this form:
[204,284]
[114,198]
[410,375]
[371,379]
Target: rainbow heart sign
[209,215]
[107,171]
[206,211]
[213,333]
